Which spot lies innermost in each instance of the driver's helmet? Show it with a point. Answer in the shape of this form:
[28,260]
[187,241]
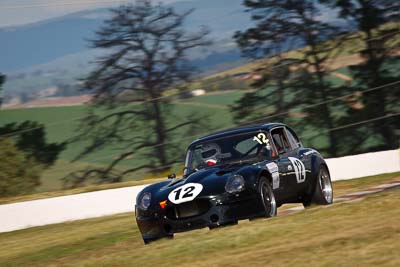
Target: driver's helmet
[210,151]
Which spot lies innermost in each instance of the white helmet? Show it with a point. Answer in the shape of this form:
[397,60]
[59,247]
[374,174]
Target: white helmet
[210,151]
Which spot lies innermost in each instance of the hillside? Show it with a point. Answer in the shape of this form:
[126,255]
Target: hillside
[62,122]
[55,52]
[34,61]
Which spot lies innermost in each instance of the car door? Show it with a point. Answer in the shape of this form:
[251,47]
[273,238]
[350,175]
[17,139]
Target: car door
[301,165]
[283,150]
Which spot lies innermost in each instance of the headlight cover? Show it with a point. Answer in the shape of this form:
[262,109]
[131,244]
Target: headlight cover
[144,202]
[235,184]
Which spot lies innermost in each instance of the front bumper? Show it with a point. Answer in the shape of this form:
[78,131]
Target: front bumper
[221,210]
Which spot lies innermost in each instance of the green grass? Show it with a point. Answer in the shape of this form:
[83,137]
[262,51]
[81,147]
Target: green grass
[220,98]
[346,186]
[62,123]
[358,233]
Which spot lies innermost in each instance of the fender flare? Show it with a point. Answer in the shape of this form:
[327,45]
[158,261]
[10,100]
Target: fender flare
[253,175]
[316,162]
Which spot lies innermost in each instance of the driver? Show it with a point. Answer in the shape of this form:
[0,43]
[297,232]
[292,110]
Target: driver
[210,153]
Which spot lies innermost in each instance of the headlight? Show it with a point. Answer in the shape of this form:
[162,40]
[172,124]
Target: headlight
[235,184]
[144,202]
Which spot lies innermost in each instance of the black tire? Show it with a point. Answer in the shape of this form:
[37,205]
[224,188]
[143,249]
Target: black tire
[323,191]
[267,198]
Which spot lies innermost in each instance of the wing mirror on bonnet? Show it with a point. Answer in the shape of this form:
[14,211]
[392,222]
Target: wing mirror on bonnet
[172,176]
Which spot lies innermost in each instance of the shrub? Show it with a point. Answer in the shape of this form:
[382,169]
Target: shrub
[18,174]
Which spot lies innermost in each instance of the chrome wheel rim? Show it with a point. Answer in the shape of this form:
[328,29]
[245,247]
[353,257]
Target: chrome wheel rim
[326,186]
[268,200]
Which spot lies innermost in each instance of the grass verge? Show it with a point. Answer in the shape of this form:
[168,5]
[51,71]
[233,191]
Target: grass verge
[358,233]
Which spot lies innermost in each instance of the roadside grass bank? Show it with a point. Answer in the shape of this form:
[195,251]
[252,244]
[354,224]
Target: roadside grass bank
[356,233]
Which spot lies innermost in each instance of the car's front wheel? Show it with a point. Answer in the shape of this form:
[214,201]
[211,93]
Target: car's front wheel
[323,192]
[267,198]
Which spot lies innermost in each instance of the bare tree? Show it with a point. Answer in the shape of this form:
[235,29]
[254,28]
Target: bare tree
[377,22]
[148,49]
[277,25]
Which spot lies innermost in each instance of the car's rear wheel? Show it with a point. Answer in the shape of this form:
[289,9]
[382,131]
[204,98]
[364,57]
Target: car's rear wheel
[267,198]
[323,192]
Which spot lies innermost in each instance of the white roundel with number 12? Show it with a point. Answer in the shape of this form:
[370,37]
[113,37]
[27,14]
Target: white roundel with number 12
[185,193]
[299,169]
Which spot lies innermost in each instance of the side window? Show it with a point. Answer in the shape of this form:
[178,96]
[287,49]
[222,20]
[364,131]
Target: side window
[293,139]
[280,141]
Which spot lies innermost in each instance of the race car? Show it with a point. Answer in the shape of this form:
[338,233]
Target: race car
[237,174]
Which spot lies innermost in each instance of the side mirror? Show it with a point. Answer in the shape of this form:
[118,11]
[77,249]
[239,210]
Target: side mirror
[172,176]
[185,171]
[268,153]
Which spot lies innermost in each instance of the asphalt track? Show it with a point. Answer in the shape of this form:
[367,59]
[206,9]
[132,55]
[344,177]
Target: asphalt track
[350,197]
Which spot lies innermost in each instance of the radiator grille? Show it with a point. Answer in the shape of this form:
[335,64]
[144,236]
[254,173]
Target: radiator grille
[188,209]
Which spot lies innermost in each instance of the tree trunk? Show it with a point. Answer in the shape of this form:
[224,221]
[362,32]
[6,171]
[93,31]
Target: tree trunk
[376,101]
[327,118]
[326,113]
[281,100]
[160,131]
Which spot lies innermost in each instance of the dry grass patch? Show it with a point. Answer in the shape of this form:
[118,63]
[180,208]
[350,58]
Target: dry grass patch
[361,233]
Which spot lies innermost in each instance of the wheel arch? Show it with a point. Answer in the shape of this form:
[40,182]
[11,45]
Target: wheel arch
[253,175]
[265,173]
[316,162]
[326,166]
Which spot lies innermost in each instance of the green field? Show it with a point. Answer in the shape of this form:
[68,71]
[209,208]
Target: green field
[62,123]
[221,99]
[358,233]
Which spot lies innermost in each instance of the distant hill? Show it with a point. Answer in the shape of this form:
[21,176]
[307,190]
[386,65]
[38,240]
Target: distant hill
[42,42]
[51,52]
[25,46]
[54,51]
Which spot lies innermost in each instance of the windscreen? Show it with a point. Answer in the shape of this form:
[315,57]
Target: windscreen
[229,149]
